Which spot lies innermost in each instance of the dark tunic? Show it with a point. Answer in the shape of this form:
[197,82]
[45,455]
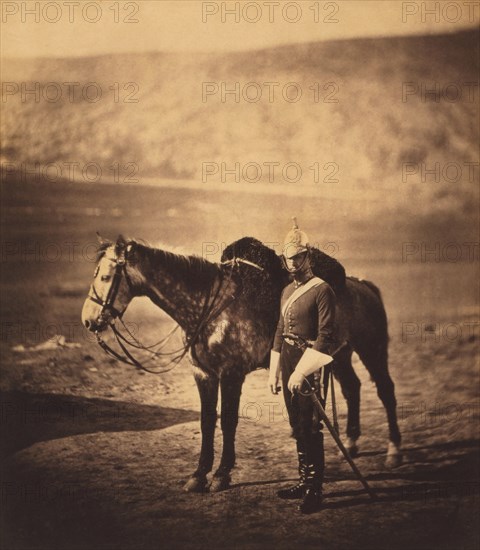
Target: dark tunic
[312,316]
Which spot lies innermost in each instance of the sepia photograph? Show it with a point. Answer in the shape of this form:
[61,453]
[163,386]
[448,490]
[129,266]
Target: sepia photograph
[240,275]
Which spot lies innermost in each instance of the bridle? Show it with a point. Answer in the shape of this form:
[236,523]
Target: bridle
[214,304]
[108,305]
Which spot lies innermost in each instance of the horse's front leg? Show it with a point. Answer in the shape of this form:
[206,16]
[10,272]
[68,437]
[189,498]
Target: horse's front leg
[231,388]
[208,390]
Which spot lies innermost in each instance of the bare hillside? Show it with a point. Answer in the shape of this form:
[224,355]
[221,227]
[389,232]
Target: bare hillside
[363,115]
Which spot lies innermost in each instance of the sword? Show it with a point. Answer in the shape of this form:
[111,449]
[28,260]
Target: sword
[335,435]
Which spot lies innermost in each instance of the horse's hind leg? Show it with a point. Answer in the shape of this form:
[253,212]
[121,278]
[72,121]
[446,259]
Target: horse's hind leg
[377,366]
[208,390]
[350,385]
[231,389]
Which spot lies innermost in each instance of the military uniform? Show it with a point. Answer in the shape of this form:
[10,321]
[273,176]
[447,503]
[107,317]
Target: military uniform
[310,316]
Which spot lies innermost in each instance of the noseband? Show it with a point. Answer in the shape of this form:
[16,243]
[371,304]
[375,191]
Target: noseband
[108,305]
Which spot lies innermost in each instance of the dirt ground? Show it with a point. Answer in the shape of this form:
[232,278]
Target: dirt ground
[95,453]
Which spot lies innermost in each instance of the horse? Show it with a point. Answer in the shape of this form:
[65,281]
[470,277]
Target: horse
[228,312]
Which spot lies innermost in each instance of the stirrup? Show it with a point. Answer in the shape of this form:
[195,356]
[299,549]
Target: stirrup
[296,491]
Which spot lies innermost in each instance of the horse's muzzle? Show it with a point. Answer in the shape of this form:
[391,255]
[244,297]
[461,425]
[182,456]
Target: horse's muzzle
[96,326]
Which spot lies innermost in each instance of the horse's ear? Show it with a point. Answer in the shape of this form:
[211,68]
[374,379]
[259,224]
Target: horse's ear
[121,241]
[100,239]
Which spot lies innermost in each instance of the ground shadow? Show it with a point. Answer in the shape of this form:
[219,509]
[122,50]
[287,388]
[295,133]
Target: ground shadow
[28,418]
[433,473]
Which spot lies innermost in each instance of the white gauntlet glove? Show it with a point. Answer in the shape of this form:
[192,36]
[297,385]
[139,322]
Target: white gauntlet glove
[311,361]
[274,372]
[295,381]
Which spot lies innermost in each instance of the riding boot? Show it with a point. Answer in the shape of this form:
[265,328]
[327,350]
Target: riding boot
[297,490]
[312,499]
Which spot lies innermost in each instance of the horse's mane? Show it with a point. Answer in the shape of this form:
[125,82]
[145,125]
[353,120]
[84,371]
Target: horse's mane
[195,271]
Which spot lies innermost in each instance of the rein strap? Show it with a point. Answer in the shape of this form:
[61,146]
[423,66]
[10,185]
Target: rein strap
[210,311]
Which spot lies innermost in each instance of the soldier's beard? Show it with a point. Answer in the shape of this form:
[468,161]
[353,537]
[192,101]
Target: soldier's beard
[304,273]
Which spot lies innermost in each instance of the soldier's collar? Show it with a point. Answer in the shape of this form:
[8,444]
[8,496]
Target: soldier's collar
[298,284]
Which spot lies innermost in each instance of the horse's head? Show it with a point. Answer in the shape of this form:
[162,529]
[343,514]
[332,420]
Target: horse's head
[111,290]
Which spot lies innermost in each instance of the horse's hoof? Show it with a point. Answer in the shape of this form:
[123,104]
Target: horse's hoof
[196,485]
[220,484]
[394,456]
[394,461]
[352,448]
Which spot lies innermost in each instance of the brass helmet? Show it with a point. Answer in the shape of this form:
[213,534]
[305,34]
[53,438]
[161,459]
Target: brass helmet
[295,242]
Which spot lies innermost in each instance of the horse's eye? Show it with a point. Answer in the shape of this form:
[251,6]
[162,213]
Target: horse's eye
[105,278]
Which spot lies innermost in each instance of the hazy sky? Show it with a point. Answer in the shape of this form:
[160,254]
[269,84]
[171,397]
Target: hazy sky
[79,28]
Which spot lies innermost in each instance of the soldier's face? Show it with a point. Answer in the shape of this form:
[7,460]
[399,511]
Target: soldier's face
[298,261]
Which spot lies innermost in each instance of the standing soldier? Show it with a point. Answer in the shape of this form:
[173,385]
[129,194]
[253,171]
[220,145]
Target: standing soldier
[303,341]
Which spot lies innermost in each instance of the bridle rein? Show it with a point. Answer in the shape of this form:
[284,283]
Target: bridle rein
[214,305]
